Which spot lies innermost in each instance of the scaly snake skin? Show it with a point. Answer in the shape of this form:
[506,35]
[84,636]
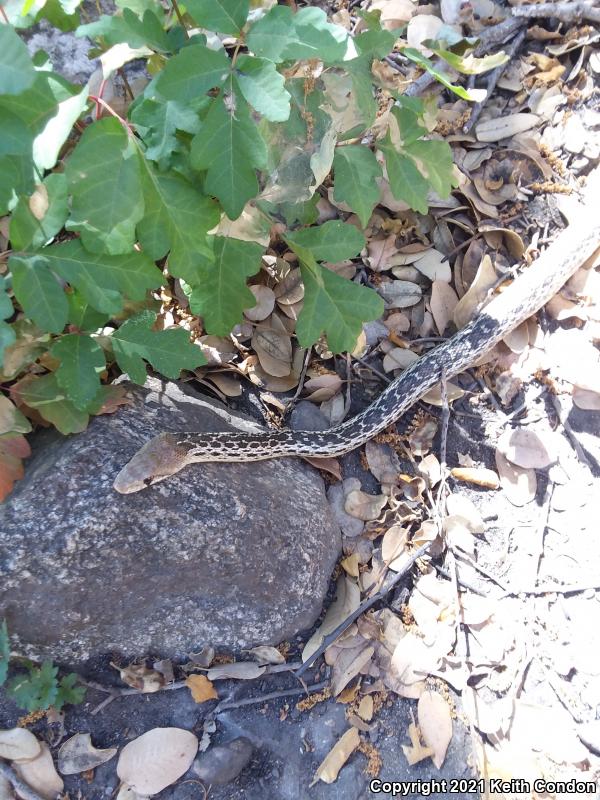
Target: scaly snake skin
[168,453]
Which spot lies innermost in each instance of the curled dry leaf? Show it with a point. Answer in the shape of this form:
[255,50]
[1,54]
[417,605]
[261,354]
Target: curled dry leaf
[476,294]
[364,506]
[460,505]
[331,765]
[526,449]
[431,469]
[383,461]
[201,688]
[240,670]
[156,759]
[422,27]
[433,266]
[365,708]
[417,750]
[348,664]
[434,395]
[520,484]
[346,601]
[393,547]
[265,654]
[420,440]
[18,744]
[140,677]
[323,387]
[40,774]
[78,754]
[265,303]
[435,722]
[290,290]
[479,476]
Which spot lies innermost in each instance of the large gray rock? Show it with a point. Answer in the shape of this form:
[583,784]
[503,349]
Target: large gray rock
[229,554]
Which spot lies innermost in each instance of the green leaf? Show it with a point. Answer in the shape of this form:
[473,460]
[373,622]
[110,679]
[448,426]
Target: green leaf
[167,351]
[45,395]
[435,158]
[263,87]
[40,295]
[6,306]
[427,64]
[334,306]
[157,123]
[468,64]
[222,16]
[178,219]
[16,159]
[104,181]
[17,72]
[333,241]
[81,362]
[376,41]
[409,124]
[7,338]
[102,279]
[82,315]
[36,690]
[4,652]
[68,693]
[145,32]
[221,294]
[192,72]
[355,174]
[230,147]
[26,230]
[282,35]
[406,182]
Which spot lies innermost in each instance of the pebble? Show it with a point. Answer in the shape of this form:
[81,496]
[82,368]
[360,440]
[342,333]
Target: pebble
[223,763]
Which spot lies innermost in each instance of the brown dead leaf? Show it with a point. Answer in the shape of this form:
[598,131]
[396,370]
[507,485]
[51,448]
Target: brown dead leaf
[520,484]
[350,565]
[201,688]
[114,398]
[460,505]
[12,450]
[274,350]
[477,293]
[78,754]
[526,449]
[442,304]
[399,358]
[265,654]
[323,387]
[434,395]
[346,601]
[240,670]
[18,744]
[40,774]
[156,759]
[364,506]
[393,547]
[421,439]
[140,677]
[331,765]
[417,751]
[265,303]
[330,465]
[435,722]
[493,130]
[348,664]
[383,462]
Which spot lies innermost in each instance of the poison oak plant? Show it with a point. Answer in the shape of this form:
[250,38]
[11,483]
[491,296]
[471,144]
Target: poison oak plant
[248,112]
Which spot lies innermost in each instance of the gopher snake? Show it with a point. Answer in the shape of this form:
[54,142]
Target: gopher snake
[168,453]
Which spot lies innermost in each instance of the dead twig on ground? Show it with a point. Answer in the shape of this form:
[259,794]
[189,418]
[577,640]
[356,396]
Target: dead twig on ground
[18,785]
[364,606]
[566,12]
[492,79]
[228,705]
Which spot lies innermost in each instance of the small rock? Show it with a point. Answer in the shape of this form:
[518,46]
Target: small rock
[223,763]
[306,416]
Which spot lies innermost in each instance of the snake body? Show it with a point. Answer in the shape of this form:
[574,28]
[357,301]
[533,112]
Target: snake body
[168,453]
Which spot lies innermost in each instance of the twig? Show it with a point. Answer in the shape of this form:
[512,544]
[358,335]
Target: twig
[364,606]
[492,79]
[227,705]
[11,776]
[573,588]
[180,17]
[292,402]
[373,369]
[566,12]
[480,569]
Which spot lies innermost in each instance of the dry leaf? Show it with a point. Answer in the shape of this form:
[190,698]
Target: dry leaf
[12,450]
[399,358]
[400,294]
[265,654]
[520,484]
[434,395]
[364,506]
[18,744]
[156,759]
[346,601]
[240,670]
[460,505]
[435,723]
[422,27]
[417,751]
[348,664]
[138,676]
[330,465]
[265,303]
[586,400]
[274,351]
[393,547]
[201,688]
[526,449]
[383,461]
[442,304]
[365,708]
[78,754]
[492,130]
[331,765]
[40,774]
[480,476]
[433,266]
[477,293]
[350,565]
[323,387]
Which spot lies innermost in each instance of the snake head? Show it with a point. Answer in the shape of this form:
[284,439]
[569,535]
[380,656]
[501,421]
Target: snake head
[156,460]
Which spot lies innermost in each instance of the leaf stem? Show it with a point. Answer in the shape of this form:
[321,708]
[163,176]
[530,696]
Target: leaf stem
[112,112]
[180,17]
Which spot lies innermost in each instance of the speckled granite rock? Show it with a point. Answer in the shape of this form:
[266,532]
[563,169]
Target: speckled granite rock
[229,554]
